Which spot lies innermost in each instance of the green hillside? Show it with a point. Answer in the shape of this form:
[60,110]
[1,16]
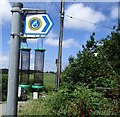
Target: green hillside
[49,83]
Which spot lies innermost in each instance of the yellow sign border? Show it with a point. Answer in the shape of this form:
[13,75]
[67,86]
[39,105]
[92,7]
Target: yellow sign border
[34,29]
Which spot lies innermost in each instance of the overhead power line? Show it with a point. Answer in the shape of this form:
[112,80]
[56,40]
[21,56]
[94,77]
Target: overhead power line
[54,3]
[58,9]
[88,21]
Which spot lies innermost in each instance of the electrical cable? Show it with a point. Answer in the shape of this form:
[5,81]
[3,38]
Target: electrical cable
[110,66]
[54,3]
[88,22]
[81,19]
[107,61]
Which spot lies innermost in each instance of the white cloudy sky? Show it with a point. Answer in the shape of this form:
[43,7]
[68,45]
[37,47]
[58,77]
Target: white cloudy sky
[80,11]
[77,28]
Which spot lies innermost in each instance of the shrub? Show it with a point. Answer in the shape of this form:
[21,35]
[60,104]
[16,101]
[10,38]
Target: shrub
[71,103]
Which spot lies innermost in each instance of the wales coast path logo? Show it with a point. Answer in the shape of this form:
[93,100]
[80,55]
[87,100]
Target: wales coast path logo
[35,23]
[39,24]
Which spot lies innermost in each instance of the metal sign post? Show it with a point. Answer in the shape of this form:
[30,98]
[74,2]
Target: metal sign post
[12,95]
[37,24]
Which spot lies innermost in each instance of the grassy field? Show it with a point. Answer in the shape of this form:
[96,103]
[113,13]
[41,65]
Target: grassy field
[49,83]
[49,80]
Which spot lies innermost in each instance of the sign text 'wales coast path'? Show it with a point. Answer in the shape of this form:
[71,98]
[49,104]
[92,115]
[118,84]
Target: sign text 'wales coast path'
[39,24]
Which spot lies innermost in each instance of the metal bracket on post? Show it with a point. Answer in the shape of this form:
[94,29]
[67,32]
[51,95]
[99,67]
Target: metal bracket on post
[33,11]
[13,35]
[19,11]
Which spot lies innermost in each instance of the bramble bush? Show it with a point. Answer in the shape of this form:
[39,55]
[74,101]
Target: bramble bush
[66,102]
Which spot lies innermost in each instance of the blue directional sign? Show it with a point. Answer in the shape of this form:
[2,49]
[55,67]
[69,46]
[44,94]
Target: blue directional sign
[39,24]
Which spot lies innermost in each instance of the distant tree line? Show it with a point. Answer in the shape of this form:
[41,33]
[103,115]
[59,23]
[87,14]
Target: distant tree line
[5,71]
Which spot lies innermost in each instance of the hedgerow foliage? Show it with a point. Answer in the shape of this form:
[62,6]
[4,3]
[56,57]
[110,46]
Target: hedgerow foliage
[82,79]
[72,101]
[94,71]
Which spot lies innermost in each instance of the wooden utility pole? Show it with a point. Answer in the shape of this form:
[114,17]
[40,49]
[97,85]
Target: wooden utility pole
[59,60]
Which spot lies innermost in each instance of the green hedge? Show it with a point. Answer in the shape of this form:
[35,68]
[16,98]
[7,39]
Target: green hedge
[71,103]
